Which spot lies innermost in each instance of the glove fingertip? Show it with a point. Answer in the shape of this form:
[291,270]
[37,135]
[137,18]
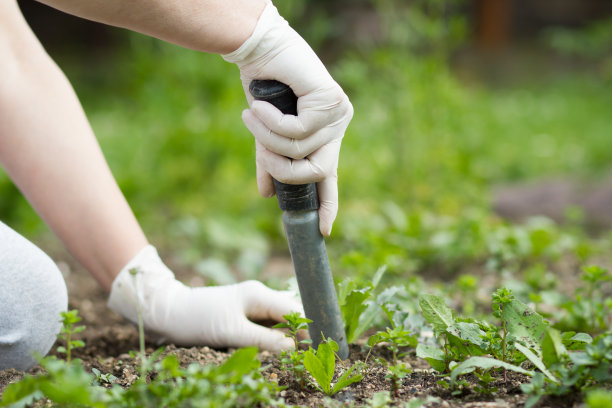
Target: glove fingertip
[266,187]
[325,229]
[286,344]
[327,217]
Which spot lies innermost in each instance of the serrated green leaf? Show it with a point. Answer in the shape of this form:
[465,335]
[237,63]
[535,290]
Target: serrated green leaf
[281,325]
[315,367]
[325,354]
[470,332]
[346,379]
[243,361]
[536,361]
[582,337]
[553,349]
[485,363]
[464,347]
[352,310]
[436,312]
[376,338]
[524,324]
[433,355]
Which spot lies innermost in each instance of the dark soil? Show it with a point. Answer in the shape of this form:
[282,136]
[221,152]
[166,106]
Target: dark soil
[109,339]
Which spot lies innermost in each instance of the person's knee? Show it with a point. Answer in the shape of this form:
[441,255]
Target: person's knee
[33,296]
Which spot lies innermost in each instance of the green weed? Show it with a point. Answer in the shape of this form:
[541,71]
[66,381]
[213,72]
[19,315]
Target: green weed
[294,359]
[69,320]
[322,364]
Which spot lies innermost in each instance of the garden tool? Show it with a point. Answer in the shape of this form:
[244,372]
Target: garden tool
[306,245]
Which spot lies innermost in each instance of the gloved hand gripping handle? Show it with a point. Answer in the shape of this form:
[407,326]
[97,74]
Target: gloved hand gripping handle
[292,197]
[301,220]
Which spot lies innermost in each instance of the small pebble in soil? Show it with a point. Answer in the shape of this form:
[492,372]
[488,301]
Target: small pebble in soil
[345,396]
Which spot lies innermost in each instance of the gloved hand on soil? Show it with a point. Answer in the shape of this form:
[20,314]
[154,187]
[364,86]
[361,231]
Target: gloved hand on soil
[294,149]
[216,316]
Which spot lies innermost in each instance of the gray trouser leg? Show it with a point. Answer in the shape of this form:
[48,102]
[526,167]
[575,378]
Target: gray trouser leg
[32,295]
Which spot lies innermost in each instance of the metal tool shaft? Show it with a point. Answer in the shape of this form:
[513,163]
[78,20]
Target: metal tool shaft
[306,245]
[314,277]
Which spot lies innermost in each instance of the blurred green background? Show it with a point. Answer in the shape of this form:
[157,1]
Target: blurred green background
[451,98]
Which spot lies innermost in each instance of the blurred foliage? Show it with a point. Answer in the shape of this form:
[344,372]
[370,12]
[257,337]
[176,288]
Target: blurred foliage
[417,162]
[592,42]
[418,26]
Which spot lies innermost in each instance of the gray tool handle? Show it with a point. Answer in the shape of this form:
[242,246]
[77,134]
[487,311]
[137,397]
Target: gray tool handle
[292,197]
[306,244]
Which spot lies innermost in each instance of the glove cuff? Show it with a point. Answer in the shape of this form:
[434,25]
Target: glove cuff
[137,282]
[268,22]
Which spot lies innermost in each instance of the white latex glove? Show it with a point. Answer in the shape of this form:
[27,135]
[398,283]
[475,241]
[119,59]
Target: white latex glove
[294,149]
[214,316]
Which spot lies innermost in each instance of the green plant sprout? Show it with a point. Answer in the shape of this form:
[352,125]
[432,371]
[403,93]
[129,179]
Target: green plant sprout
[484,381]
[577,371]
[590,310]
[500,298]
[358,308]
[69,319]
[295,323]
[322,364]
[460,338]
[100,378]
[395,374]
[396,336]
[294,359]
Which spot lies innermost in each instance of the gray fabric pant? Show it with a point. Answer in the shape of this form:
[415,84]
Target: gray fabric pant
[32,295]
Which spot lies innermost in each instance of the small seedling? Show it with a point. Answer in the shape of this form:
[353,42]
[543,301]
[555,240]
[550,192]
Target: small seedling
[294,359]
[322,364]
[500,298]
[295,323]
[358,308]
[395,336]
[590,310]
[395,374]
[484,380]
[69,319]
[100,378]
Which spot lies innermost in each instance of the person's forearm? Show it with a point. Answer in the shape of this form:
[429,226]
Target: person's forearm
[48,149]
[218,26]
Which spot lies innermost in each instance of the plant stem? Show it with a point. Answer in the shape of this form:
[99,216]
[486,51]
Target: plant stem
[68,344]
[504,349]
[141,337]
[446,359]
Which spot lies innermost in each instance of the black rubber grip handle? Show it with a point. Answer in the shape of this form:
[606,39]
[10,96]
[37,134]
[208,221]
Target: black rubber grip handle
[292,197]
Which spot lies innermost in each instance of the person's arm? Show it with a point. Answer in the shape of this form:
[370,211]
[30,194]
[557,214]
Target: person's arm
[251,34]
[49,150]
[218,26]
